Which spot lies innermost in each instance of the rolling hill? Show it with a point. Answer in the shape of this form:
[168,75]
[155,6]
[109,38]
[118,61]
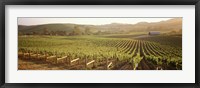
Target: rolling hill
[169,25]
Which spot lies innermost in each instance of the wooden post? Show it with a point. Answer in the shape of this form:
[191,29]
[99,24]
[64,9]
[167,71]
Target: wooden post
[45,56]
[109,65]
[75,60]
[69,60]
[23,56]
[79,61]
[29,54]
[94,62]
[37,55]
[116,61]
[66,59]
[85,62]
[106,63]
[132,63]
[56,58]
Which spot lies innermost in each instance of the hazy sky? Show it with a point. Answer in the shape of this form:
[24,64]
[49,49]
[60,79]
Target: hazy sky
[90,21]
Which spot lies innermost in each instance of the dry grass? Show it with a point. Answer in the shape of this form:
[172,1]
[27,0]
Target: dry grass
[38,65]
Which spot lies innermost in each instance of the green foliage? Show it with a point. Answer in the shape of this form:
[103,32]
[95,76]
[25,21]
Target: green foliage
[136,60]
[95,47]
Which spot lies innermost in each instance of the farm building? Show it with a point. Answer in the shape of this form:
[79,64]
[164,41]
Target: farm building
[154,33]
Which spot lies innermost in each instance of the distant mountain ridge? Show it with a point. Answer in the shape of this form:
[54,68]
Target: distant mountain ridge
[169,25]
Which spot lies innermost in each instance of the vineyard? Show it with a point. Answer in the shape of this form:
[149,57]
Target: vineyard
[100,53]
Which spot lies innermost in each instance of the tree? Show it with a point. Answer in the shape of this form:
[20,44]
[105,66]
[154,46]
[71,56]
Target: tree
[45,31]
[88,31]
[76,31]
[99,32]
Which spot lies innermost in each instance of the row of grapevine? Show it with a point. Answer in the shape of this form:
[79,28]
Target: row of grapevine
[112,52]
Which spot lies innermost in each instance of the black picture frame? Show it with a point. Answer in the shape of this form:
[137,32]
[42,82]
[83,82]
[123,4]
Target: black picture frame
[99,2]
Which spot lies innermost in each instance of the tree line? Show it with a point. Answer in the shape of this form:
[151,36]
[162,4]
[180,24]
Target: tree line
[76,31]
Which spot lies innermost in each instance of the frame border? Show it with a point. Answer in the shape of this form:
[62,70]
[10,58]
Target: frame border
[99,2]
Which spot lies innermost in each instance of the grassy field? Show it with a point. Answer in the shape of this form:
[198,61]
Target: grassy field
[108,52]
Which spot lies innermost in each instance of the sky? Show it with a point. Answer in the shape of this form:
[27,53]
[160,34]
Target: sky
[86,21]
